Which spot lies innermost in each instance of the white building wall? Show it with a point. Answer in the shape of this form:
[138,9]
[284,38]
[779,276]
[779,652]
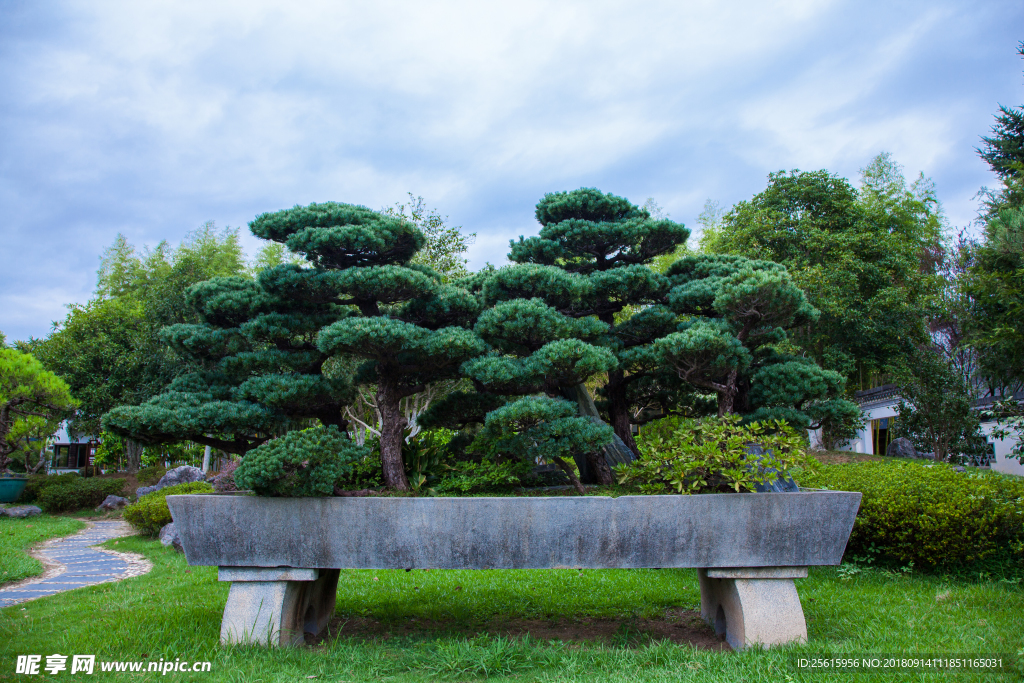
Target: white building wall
[874,411]
[1003,462]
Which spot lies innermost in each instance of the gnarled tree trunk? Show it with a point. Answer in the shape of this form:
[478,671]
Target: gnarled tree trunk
[618,409]
[132,455]
[615,453]
[391,432]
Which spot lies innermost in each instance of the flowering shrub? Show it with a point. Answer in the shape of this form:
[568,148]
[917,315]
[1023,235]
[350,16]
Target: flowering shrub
[712,455]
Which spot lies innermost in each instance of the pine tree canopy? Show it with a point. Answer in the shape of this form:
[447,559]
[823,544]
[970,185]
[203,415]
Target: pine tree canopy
[604,246]
[281,352]
[260,370]
[409,327]
[736,313]
[1004,150]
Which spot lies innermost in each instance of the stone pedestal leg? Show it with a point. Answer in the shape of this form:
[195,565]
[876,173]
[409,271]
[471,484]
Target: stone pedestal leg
[753,606]
[276,606]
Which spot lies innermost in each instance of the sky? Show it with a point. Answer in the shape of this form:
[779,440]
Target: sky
[151,118]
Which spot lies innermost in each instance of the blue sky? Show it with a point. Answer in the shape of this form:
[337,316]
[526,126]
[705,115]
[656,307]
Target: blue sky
[151,118]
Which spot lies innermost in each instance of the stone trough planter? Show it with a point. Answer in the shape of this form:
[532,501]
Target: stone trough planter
[283,555]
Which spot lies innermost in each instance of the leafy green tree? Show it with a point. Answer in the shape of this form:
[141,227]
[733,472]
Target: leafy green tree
[865,259]
[444,246]
[32,399]
[935,411]
[734,341]
[110,350]
[109,353]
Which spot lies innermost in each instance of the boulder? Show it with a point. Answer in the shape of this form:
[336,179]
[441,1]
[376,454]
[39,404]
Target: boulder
[782,483]
[901,448]
[20,511]
[186,474]
[169,537]
[112,503]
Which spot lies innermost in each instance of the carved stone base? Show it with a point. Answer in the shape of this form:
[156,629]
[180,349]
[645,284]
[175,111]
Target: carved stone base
[277,606]
[753,606]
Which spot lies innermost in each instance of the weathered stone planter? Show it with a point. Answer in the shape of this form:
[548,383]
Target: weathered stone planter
[283,555]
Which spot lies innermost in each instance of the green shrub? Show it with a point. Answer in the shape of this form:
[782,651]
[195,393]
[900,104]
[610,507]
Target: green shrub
[77,493]
[711,455]
[37,483]
[365,473]
[930,515]
[480,477]
[150,513]
[300,463]
[148,476]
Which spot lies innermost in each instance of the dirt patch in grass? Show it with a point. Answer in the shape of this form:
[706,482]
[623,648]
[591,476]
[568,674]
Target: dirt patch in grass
[843,457]
[680,626]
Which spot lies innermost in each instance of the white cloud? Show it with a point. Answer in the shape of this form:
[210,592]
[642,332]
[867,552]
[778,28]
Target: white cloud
[150,118]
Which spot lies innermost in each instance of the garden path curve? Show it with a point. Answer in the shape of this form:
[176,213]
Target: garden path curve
[71,562]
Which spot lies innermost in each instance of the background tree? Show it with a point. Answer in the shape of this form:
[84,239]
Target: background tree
[995,280]
[1003,150]
[935,409]
[30,396]
[110,350]
[865,259]
[444,246]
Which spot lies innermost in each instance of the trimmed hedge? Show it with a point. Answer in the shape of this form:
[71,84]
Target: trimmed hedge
[37,483]
[77,493]
[151,513]
[930,515]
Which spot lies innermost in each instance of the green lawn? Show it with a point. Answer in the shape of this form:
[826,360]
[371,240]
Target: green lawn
[452,625]
[18,535]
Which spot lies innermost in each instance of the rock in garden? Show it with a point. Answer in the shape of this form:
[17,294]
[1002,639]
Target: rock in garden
[901,448]
[112,503]
[186,474]
[782,483]
[20,511]
[169,537]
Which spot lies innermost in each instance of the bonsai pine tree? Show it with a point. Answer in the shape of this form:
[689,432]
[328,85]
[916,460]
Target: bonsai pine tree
[259,370]
[537,350]
[408,327]
[734,341]
[609,244]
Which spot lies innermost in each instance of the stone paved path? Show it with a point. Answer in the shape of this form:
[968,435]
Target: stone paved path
[72,563]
